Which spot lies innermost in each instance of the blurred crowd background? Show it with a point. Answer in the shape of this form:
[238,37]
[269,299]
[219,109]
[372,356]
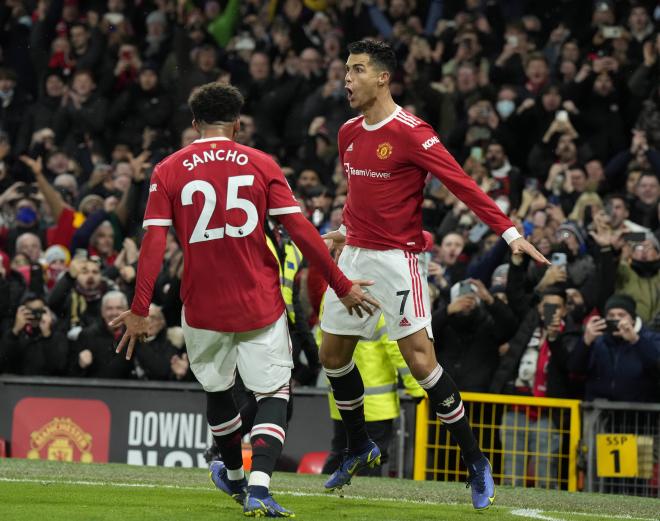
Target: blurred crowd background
[553,107]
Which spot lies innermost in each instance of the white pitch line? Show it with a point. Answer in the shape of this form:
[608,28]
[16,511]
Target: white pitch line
[530,513]
[204,489]
[542,514]
[533,514]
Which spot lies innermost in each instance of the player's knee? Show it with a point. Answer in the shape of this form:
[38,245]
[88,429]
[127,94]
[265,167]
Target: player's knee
[421,360]
[333,359]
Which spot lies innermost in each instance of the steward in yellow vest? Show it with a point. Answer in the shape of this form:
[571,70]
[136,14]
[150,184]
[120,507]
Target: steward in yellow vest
[290,261]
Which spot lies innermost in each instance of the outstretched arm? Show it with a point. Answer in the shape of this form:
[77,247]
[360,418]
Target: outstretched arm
[429,153]
[157,220]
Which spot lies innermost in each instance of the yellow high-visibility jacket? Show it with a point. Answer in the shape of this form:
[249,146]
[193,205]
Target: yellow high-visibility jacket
[292,260]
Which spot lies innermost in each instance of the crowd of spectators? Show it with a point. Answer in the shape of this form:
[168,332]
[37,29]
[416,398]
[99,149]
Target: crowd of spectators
[554,108]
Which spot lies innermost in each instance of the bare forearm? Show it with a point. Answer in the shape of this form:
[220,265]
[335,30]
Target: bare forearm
[52,196]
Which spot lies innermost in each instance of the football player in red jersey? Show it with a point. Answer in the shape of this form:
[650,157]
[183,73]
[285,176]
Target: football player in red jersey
[217,194]
[387,153]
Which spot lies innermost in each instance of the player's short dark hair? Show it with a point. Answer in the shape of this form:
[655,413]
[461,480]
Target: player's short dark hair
[214,103]
[380,54]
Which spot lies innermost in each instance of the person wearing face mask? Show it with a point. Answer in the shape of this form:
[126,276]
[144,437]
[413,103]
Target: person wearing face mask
[619,357]
[638,275]
[19,199]
[468,333]
[506,106]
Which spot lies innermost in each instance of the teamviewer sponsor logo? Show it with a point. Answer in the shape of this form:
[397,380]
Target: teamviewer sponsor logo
[430,142]
[350,171]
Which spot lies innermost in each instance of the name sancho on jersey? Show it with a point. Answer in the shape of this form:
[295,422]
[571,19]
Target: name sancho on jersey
[215,155]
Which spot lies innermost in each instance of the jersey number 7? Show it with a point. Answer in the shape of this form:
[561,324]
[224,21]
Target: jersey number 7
[201,233]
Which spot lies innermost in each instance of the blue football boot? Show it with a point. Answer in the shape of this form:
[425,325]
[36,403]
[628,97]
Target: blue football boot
[236,489]
[265,507]
[482,484]
[351,464]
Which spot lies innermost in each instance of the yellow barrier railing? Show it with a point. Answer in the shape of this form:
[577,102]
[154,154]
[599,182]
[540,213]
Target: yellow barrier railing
[529,441]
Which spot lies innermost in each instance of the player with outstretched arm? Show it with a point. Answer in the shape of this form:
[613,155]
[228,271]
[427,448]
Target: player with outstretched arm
[217,195]
[386,153]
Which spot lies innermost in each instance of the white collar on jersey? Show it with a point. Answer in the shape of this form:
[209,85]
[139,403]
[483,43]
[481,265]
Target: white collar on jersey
[205,139]
[382,122]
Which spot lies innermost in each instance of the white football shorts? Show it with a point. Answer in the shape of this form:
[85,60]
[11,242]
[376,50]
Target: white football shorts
[400,288]
[262,356]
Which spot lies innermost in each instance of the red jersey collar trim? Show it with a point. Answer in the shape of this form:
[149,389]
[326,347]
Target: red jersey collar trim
[206,139]
[381,123]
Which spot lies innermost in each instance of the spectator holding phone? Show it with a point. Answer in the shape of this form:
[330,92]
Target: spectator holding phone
[468,333]
[619,357]
[535,364]
[32,346]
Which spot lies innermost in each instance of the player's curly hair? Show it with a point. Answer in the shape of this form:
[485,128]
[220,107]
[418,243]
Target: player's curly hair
[380,54]
[215,103]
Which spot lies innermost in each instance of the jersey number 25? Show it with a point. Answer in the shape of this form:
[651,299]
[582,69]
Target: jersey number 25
[201,233]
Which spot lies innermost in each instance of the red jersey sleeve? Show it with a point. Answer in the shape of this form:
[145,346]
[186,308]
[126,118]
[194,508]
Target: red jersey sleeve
[62,232]
[149,263]
[429,153]
[280,197]
[159,204]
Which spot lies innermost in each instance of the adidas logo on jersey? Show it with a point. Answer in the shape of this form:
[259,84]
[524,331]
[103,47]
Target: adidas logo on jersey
[350,148]
[404,322]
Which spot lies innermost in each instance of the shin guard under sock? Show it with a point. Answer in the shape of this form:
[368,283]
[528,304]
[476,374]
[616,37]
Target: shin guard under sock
[446,401]
[348,391]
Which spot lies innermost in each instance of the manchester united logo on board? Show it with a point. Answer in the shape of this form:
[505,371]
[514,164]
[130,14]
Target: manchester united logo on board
[60,439]
[384,151]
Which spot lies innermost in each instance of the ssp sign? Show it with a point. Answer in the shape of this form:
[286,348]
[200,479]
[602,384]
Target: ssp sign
[616,455]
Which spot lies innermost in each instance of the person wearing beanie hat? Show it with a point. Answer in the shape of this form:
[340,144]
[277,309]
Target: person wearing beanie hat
[621,302]
[57,259]
[578,265]
[574,228]
[619,357]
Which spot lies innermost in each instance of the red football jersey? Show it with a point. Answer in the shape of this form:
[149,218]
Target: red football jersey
[386,165]
[217,193]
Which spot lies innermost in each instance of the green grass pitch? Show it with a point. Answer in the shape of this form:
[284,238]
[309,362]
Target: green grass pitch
[38,490]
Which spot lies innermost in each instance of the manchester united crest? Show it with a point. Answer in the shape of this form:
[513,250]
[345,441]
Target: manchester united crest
[62,439]
[384,150]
